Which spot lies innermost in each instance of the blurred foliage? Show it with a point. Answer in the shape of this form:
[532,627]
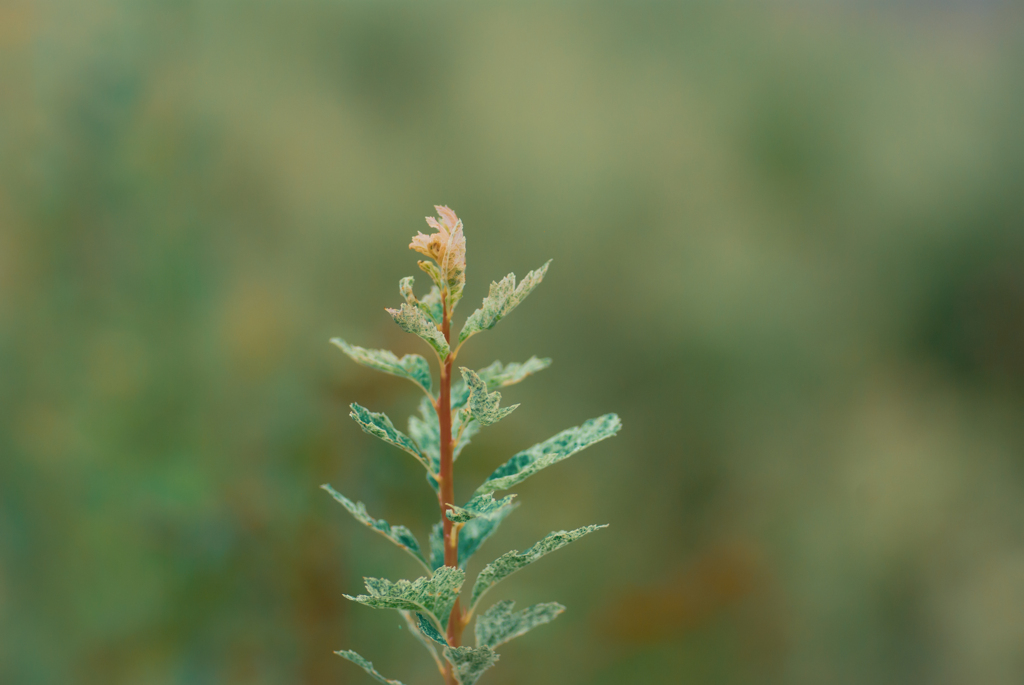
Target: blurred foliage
[791,236]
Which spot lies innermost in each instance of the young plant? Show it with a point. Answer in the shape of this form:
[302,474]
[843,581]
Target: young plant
[431,605]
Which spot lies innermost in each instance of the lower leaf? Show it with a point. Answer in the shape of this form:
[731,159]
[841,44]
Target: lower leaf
[470,662]
[400,535]
[500,624]
[510,562]
[367,666]
[434,595]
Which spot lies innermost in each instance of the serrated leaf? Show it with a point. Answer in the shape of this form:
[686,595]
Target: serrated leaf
[500,624]
[430,631]
[502,298]
[478,506]
[430,305]
[470,662]
[551,451]
[412,320]
[484,406]
[411,366]
[367,666]
[400,535]
[380,426]
[497,376]
[510,562]
[434,596]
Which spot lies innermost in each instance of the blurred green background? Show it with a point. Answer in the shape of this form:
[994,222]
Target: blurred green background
[788,246]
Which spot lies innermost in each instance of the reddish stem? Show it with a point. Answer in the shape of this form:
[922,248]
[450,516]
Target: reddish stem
[446,495]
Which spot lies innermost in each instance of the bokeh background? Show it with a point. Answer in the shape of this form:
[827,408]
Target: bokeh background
[788,244]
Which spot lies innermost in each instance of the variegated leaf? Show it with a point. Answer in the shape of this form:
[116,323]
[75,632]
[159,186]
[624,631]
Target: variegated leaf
[412,320]
[551,451]
[430,305]
[501,299]
[470,662]
[498,375]
[400,535]
[510,562]
[379,425]
[411,366]
[500,624]
[484,406]
[483,505]
[433,596]
[367,666]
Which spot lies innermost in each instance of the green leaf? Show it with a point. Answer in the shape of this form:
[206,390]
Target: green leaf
[470,662]
[429,305]
[367,666]
[501,299]
[413,625]
[411,366]
[433,596]
[437,545]
[497,376]
[425,432]
[430,631]
[475,532]
[478,506]
[510,562]
[483,406]
[400,535]
[551,451]
[500,624]
[464,427]
[413,320]
[379,425]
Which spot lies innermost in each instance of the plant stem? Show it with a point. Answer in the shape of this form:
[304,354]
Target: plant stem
[446,495]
